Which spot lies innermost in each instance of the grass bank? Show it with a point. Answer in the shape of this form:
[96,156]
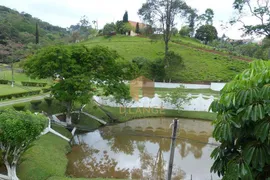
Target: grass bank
[46,159]
[199,65]
[136,113]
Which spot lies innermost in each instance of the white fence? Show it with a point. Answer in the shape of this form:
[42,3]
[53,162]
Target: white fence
[197,103]
[217,86]
[213,86]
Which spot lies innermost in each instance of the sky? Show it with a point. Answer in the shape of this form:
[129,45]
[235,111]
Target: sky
[68,12]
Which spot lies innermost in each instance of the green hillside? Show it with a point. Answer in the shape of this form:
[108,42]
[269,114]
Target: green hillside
[18,34]
[21,27]
[200,64]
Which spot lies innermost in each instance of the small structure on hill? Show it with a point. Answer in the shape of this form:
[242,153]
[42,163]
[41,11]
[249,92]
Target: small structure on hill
[142,27]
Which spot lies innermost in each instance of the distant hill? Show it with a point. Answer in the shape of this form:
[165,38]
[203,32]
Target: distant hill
[18,29]
[202,64]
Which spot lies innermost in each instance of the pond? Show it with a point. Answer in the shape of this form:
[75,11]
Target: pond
[140,149]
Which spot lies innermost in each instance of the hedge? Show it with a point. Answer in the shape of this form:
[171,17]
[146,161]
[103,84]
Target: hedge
[18,95]
[45,90]
[19,107]
[34,84]
[3,81]
[35,104]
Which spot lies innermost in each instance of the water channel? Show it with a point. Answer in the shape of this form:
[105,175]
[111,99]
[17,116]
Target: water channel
[140,149]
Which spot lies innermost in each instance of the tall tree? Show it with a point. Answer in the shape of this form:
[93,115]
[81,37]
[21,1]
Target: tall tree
[80,70]
[109,28]
[137,28]
[125,17]
[192,18]
[243,125]
[119,27]
[17,131]
[185,31]
[208,16]
[37,34]
[259,10]
[206,33]
[163,12]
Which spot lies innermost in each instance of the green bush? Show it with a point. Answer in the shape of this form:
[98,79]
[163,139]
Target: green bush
[34,84]
[18,95]
[2,81]
[48,100]
[35,104]
[45,90]
[19,107]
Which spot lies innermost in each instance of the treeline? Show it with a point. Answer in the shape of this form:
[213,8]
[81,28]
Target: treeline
[250,49]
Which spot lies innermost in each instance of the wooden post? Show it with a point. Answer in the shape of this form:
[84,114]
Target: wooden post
[170,167]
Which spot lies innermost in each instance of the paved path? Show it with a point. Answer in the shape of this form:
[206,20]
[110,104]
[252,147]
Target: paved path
[23,100]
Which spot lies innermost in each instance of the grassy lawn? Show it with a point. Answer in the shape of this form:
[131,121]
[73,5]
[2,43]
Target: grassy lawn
[18,77]
[7,89]
[199,66]
[46,159]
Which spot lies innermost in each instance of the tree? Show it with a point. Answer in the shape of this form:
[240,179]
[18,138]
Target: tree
[37,34]
[164,12]
[80,71]
[174,31]
[157,70]
[208,16]
[125,17]
[75,36]
[109,28]
[177,97]
[175,63]
[192,18]
[119,27]
[206,33]
[127,28]
[18,130]
[137,28]
[185,31]
[242,125]
[259,10]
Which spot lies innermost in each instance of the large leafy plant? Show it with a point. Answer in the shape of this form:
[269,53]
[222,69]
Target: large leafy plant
[243,124]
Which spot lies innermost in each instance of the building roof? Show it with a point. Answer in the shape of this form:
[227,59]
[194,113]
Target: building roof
[134,24]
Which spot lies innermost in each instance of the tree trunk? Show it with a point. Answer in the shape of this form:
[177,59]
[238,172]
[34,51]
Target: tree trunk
[68,115]
[11,171]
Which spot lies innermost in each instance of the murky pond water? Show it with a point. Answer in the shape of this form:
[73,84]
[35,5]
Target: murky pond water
[140,149]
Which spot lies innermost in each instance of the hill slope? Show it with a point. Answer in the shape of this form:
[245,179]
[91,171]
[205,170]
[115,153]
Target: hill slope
[199,65]
[21,27]
[17,33]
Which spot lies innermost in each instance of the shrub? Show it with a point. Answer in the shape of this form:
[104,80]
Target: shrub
[34,84]
[35,104]
[2,81]
[18,95]
[48,100]
[45,90]
[19,107]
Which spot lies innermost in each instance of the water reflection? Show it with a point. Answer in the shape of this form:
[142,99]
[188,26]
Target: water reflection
[139,149]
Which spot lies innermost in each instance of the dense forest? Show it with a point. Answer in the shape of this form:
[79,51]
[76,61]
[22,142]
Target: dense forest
[18,32]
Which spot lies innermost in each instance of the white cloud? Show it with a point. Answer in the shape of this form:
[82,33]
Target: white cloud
[66,12]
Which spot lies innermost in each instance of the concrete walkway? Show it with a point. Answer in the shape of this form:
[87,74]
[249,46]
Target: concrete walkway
[22,100]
